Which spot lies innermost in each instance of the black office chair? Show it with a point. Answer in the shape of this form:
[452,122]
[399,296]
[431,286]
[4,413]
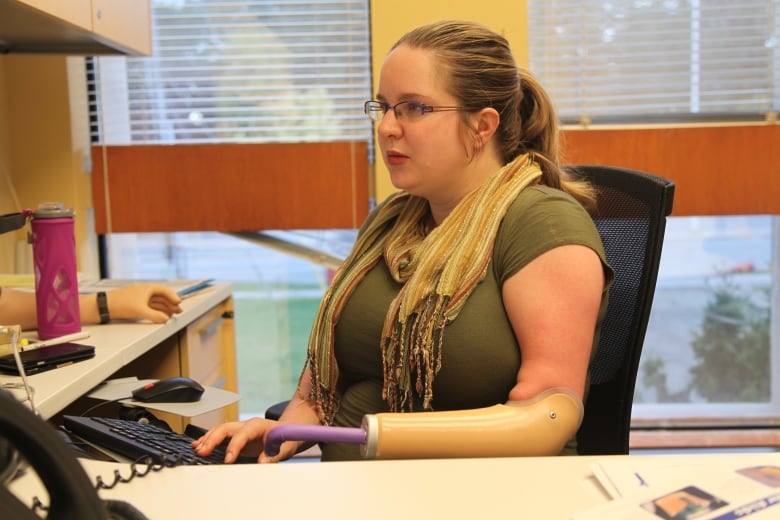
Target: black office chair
[631,218]
[632,207]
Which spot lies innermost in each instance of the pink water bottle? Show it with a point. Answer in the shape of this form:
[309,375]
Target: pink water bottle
[56,281]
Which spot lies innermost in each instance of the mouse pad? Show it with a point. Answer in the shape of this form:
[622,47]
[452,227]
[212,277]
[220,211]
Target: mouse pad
[120,389]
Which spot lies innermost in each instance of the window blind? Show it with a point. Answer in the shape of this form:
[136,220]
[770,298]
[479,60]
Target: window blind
[644,60]
[252,71]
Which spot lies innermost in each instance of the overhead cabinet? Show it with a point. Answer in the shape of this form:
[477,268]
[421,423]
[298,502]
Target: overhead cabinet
[77,27]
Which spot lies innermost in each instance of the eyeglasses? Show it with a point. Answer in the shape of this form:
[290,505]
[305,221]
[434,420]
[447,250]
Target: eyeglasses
[408,110]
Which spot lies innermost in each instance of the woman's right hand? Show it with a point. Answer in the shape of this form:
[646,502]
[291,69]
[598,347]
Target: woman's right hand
[247,437]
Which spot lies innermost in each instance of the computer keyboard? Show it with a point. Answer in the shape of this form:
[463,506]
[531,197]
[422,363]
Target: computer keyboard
[135,440]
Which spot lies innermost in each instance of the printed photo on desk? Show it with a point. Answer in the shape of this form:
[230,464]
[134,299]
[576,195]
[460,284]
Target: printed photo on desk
[703,490]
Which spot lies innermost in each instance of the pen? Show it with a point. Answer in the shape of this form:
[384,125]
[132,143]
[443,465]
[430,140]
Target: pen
[189,291]
[56,341]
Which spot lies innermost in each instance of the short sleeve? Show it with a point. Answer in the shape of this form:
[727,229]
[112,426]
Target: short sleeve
[540,219]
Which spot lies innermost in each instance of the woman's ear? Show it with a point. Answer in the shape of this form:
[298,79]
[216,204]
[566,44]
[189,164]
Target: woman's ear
[485,124]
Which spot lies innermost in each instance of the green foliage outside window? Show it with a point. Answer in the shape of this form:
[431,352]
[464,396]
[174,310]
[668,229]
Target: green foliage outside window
[731,350]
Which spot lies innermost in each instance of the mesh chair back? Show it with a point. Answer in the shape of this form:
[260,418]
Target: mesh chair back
[631,216]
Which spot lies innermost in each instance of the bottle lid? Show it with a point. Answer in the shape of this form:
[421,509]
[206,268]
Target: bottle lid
[52,210]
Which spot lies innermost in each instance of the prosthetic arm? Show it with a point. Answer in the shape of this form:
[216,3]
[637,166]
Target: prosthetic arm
[535,427]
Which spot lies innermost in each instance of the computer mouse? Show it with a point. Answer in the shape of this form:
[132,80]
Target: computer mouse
[170,390]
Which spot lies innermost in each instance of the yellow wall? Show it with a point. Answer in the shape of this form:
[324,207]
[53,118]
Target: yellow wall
[42,144]
[390,20]
[6,201]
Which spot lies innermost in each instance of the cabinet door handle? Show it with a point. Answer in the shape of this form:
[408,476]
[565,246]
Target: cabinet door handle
[210,329]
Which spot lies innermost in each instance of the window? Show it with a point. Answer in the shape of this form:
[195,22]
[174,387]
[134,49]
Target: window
[275,293]
[253,71]
[241,72]
[712,351]
[638,61]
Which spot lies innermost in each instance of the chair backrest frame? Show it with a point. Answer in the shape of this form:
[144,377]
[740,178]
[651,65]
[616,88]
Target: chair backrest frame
[631,211]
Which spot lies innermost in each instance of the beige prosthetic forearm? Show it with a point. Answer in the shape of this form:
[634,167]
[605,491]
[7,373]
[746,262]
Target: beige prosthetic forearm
[536,427]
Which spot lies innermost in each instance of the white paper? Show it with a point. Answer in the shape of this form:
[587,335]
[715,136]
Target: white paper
[680,489]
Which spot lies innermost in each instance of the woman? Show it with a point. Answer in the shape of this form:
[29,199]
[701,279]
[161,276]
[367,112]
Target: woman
[482,281]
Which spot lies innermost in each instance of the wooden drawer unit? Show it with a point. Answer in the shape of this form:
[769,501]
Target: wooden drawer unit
[208,355]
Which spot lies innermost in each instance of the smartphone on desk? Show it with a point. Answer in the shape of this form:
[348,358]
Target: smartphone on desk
[47,358]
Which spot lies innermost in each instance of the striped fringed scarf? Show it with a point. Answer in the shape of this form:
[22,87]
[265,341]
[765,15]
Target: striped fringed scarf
[439,272]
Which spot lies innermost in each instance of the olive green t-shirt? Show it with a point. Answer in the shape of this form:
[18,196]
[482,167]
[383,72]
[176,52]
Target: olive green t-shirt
[480,355]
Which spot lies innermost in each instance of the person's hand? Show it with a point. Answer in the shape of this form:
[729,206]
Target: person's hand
[149,301]
[245,437]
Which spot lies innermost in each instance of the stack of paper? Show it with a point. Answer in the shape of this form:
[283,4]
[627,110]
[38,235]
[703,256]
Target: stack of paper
[689,487]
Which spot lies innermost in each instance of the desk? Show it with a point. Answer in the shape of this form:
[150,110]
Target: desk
[431,489]
[198,343]
[549,488]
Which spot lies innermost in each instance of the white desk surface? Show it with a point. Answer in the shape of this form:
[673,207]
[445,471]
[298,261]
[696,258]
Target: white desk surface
[116,344]
[431,489]
[548,488]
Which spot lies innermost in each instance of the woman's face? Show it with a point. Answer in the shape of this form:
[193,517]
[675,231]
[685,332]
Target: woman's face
[426,156]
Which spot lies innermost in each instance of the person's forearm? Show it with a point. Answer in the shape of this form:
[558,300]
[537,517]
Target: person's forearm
[300,411]
[88,309]
[18,308]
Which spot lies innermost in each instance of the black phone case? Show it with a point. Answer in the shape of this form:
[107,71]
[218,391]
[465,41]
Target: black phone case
[47,358]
